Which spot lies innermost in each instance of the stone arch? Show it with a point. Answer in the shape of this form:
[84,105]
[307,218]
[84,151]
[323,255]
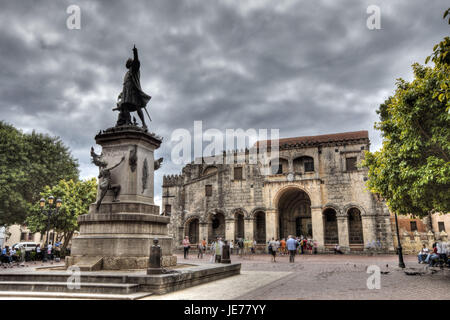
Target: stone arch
[294,212]
[209,170]
[331,235]
[252,213]
[192,228]
[259,226]
[238,210]
[335,207]
[216,224]
[299,164]
[282,190]
[355,228]
[348,206]
[284,161]
[239,215]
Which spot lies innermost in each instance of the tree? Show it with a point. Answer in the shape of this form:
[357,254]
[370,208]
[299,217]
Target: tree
[28,162]
[76,197]
[412,169]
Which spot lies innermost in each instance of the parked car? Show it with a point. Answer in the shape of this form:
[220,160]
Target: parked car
[29,246]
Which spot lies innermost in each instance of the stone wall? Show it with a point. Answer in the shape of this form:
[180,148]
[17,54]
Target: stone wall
[412,242]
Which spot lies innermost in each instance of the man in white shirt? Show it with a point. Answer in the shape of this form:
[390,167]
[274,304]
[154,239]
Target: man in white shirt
[423,254]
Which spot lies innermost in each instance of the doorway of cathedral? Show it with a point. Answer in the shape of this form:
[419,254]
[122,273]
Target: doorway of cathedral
[294,209]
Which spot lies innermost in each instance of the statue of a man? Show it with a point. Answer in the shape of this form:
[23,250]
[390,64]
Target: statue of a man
[105,182]
[132,98]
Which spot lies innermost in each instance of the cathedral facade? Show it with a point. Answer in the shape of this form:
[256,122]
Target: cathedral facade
[315,189]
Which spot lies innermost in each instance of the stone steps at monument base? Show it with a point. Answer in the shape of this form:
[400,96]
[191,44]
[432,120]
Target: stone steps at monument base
[90,287]
[61,277]
[68,295]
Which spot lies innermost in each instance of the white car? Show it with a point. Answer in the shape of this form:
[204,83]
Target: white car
[29,246]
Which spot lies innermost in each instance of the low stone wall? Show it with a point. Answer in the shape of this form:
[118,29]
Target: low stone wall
[412,243]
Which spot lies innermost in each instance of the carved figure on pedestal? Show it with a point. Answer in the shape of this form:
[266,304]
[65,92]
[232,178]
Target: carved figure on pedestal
[105,181]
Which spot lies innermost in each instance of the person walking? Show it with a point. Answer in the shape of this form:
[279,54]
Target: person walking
[200,250]
[218,250]
[273,247]
[291,244]
[186,246]
[204,244]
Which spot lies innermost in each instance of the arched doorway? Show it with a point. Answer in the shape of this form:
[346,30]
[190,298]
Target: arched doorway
[330,226]
[216,226]
[192,230]
[260,227]
[238,225]
[294,208]
[355,230]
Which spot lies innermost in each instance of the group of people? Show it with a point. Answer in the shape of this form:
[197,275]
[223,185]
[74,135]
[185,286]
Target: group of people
[241,247]
[11,255]
[292,246]
[439,254]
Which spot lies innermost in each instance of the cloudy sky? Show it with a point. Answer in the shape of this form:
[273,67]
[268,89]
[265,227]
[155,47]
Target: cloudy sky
[305,67]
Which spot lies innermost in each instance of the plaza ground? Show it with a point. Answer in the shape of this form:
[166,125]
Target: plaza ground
[318,277]
[311,277]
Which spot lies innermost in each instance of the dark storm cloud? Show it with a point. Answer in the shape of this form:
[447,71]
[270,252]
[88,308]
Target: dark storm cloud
[305,67]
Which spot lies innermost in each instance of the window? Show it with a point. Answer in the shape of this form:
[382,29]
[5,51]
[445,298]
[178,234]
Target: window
[23,236]
[208,190]
[413,225]
[238,173]
[350,164]
[309,164]
[168,209]
[441,226]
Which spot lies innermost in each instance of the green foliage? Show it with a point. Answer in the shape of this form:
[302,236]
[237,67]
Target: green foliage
[28,162]
[76,197]
[412,169]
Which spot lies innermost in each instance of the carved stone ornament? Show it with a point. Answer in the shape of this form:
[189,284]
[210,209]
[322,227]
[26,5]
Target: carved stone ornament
[144,175]
[133,158]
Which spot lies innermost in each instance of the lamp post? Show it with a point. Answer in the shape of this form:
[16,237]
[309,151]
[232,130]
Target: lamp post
[50,211]
[401,264]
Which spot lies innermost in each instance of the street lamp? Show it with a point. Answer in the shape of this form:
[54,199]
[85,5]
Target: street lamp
[49,212]
[401,264]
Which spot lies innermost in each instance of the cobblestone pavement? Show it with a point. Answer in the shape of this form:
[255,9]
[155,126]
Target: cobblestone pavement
[320,277]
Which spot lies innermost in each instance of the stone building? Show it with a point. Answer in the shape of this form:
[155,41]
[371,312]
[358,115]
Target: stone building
[316,190]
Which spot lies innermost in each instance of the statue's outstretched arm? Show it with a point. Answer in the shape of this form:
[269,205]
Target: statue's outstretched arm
[121,160]
[135,54]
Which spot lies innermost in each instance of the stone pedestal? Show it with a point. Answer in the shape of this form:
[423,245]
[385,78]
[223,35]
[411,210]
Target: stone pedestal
[119,234]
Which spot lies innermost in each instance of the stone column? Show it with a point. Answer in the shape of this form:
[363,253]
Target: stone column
[317,226]
[430,237]
[203,231]
[248,228]
[389,239]
[271,224]
[369,231]
[229,229]
[343,233]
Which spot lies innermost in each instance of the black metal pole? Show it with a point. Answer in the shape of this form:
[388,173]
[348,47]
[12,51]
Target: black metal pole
[46,241]
[401,263]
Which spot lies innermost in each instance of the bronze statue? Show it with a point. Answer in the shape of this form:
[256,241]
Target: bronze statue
[132,98]
[104,177]
[157,163]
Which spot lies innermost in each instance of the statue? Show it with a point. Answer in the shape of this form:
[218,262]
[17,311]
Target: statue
[104,177]
[132,98]
[157,163]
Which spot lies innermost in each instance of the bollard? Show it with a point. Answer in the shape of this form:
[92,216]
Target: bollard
[226,253]
[154,261]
